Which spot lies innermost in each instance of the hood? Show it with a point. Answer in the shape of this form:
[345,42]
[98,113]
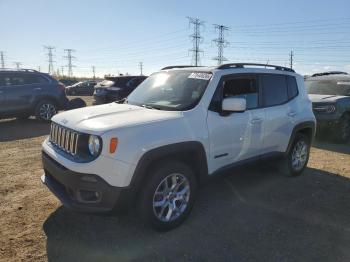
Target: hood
[324,98]
[98,119]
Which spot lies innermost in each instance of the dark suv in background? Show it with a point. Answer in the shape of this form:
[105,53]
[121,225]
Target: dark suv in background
[81,88]
[26,92]
[115,88]
[330,96]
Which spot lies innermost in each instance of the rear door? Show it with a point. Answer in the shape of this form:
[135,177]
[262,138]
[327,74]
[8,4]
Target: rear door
[279,114]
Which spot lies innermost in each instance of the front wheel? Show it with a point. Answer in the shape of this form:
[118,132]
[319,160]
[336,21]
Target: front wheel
[45,110]
[298,156]
[168,195]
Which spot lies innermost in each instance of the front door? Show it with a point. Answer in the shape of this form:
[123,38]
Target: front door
[235,136]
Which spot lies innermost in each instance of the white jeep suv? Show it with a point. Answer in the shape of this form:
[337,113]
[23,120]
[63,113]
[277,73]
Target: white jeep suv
[179,127]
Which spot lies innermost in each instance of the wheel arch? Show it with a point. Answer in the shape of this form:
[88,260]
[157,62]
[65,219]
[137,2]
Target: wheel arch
[191,153]
[307,128]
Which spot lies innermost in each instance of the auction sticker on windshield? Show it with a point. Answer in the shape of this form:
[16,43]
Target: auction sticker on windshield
[204,76]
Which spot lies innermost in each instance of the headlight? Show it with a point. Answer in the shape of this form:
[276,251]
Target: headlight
[94,145]
[325,108]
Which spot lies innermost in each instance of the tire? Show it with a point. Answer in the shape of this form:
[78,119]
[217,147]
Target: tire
[75,103]
[343,131]
[298,156]
[156,202]
[45,110]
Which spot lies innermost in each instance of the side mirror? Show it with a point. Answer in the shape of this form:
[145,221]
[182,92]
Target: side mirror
[233,104]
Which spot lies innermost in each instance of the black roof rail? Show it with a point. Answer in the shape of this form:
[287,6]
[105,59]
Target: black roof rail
[20,69]
[242,65]
[330,73]
[178,66]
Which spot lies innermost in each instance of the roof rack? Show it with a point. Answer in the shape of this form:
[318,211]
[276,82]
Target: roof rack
[330,73]
[178,66]
[242,65]
[20,69]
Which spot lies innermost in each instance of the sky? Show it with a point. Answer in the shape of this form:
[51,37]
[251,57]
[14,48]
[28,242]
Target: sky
[115,36]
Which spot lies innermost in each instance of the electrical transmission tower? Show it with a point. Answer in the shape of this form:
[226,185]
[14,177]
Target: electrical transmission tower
[221,43]
[291,58]
[196,39]
[62,72]
[18,65]
[70,58]
[50,57]
[2,57]
[94,71]
[141,68]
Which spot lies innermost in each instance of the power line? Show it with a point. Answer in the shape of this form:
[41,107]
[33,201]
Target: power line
[196,39]
[2,56]
[141,67]
[18,65]
[50,57]
[70,58]
[221,43]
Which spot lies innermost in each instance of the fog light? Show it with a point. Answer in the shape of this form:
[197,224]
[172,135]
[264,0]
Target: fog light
[89,196]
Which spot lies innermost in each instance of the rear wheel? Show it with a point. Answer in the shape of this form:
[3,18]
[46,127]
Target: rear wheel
[45,110]
[298,156]
[168,196]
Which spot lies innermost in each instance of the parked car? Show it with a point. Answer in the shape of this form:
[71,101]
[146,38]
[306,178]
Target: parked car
[115,88]
[26,92]
[330,96]
[81,88]
[178,128]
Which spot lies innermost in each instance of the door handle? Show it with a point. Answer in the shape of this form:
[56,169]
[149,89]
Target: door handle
[292,114]
[256,120]
[37,89]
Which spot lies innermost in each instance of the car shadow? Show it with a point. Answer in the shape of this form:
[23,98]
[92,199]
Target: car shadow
[15,129]
[325,145]
[249,214]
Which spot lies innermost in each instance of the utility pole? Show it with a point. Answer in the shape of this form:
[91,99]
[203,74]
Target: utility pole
[94,72]
[18,65]
[291,58]
[221,43]
[62,70]
[196,39]
[2,57]
[50,57]
[69,58]
[141,68]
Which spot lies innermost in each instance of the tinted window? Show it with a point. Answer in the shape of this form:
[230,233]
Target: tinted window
[4,80]
[16,80]
[33,79]
[242,88]
[275,89]
[292,87]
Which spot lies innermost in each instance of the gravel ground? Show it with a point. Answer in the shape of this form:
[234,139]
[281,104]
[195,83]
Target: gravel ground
[246,215]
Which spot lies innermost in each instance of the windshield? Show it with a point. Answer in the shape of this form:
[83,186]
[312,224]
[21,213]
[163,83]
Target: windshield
[177,90]
[328,87]
[105,83]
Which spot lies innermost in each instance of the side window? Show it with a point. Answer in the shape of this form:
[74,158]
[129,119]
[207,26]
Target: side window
[292,87]
[274,89]
[16,80]
[33,79]
[4,80]
[243,87]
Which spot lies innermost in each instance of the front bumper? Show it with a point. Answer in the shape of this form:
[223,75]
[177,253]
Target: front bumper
[83,192]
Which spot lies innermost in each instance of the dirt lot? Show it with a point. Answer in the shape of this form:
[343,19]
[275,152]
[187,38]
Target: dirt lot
[251,214]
